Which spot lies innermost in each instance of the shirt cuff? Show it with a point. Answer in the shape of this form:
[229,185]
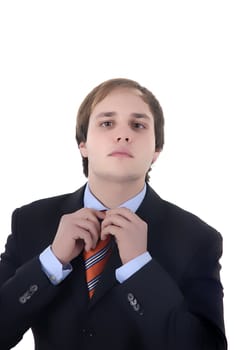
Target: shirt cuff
[52,267]
[131,267]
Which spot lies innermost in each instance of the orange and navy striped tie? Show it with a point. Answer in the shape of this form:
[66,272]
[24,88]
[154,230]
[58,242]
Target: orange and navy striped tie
[95,261]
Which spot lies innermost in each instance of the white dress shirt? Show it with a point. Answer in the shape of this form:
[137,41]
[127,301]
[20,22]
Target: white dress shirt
[57,272]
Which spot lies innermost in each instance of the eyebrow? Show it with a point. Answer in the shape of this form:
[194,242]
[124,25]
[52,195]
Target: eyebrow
[105,114]
[112,114]
[140,115]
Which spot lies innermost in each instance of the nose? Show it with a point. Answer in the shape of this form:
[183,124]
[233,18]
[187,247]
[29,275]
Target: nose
[119,139]
[123,133]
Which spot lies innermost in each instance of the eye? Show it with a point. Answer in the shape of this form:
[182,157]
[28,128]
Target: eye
[106,124]
[138,125]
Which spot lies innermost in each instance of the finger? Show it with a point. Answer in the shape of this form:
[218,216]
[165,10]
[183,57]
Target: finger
[86,236]
[94,215]
[100,214]
[110,230]
[104,235]
[88,220]
[89,214]
[92,228]
[124,212]
[116,220]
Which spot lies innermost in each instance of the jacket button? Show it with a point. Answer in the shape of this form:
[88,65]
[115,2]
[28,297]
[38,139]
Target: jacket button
[22,300]
[136,307]
[33,288]
[130,296]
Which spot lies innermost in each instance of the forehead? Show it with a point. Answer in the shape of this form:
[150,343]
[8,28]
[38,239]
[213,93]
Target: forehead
[123,99]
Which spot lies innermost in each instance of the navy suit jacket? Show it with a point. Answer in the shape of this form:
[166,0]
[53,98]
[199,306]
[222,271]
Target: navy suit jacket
[174,302]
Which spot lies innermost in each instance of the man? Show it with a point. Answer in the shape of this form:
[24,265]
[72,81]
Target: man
[160,286]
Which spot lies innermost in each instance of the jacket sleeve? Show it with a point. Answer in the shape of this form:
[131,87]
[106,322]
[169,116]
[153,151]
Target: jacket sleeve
[184,315]
[24,291]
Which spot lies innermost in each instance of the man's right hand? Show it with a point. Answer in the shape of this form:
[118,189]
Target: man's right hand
[77,231]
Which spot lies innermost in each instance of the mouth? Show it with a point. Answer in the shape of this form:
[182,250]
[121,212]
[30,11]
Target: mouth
[120,154]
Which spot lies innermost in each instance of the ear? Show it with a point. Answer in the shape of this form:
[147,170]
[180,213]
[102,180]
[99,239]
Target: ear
[155,157]
[83,149]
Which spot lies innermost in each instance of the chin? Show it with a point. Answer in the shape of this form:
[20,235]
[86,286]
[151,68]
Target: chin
[120,178]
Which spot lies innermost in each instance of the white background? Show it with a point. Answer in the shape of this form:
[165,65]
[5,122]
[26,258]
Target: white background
[52,53]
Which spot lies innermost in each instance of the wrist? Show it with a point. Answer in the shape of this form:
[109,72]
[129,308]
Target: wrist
[59,257]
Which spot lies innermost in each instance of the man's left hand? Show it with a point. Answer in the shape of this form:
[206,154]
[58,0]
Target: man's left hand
[129,230]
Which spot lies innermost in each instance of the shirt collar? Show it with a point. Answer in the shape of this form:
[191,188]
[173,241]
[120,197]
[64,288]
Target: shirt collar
[90,201]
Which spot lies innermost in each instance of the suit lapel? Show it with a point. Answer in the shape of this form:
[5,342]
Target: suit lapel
[152,211]
[74,201]
[151,208]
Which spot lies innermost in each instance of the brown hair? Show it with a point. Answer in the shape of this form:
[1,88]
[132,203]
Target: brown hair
[99,93]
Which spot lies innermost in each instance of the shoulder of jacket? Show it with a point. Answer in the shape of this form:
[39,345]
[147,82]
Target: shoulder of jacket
[51,203]
[184,218]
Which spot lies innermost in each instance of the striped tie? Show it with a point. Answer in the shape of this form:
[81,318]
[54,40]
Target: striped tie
[95,261]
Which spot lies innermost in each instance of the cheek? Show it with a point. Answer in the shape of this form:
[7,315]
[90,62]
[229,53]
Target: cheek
[95,148]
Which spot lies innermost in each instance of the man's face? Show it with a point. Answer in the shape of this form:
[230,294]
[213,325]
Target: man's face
[120,143]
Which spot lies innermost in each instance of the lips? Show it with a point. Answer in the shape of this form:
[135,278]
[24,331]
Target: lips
[121,153]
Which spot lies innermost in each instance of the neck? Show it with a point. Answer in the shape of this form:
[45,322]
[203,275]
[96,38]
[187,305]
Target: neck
[114,194]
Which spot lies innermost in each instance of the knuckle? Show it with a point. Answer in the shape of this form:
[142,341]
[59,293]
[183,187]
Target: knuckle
[64,217]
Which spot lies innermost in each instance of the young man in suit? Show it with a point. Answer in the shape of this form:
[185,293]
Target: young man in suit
[160,287]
